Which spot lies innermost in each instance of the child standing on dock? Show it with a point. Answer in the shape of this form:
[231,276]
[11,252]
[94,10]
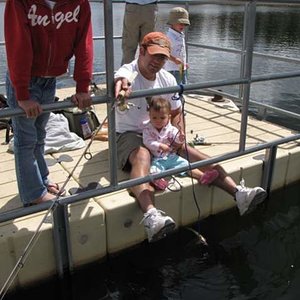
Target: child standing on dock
[163,140]
[177,63]
[41,37]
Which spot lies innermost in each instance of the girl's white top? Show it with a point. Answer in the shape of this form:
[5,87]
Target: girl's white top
[152,138]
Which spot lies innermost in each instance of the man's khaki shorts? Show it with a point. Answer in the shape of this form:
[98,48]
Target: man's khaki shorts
[126,143]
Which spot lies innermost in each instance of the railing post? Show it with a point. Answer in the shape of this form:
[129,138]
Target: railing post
[248,39]
[109,61]
[61,240]
[269,161]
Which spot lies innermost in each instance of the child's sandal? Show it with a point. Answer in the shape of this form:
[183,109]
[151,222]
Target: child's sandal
[209,176]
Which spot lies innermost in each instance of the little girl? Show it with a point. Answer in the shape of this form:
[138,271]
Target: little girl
[163,140]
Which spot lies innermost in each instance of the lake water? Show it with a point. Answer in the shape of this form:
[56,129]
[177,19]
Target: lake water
[277,32]
[254,257]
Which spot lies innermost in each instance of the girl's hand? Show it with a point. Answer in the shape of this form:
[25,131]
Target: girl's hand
[164,148]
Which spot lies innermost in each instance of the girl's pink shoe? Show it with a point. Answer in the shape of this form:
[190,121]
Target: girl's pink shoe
[209,176]
[160,184]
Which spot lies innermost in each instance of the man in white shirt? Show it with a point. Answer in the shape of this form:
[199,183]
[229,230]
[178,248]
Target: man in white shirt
[134,157]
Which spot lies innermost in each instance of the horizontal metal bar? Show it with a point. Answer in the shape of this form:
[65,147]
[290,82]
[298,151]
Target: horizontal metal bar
[274,76]
[116,37]
[197,2]
[143,93]
[7,112]
[231,50]
[237,51]
[59,105]
[6,216]
[281,111]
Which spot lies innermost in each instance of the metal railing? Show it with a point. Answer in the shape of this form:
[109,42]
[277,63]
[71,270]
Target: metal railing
[245,80]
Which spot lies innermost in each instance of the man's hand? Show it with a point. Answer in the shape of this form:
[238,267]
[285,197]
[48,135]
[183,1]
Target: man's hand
[82,100]
[122,88]
[31,108]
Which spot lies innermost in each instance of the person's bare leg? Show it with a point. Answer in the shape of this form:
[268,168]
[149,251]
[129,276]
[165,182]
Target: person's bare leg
[140,164]
[195,173]
[224,181]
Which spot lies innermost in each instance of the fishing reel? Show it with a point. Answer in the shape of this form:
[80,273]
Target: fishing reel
[122,104]
[199,140]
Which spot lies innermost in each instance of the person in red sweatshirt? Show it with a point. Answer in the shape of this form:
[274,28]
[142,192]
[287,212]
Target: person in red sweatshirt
[41,36]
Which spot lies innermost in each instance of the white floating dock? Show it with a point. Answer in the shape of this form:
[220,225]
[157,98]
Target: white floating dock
[111,223]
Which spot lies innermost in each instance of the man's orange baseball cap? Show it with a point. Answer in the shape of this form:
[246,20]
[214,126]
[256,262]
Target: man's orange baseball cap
[157,43]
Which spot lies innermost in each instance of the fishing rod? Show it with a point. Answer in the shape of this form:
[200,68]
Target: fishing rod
[55,202]
[121,103]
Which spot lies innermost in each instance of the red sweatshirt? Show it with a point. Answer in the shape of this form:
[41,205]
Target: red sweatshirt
[40,41]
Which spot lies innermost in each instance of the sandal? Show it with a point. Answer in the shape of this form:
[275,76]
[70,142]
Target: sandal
[209,176]
[160,184]
[54,189]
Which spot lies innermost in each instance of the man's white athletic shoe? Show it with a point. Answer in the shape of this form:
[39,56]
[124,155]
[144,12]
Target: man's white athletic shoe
[248,198]
[157,224]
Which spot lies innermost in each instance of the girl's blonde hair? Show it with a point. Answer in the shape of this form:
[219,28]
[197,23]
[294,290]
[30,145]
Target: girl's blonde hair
[159,103]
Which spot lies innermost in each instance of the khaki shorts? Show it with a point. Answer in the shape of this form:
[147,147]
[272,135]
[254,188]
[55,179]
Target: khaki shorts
[126,143]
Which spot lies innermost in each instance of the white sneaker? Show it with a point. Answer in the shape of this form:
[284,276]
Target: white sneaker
[248,198]
[157,225]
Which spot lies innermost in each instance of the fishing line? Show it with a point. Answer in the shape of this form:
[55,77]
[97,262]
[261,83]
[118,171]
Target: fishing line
[177,124]
[172,182]
[55,202]
[187,153]
[21,261]
[200,237]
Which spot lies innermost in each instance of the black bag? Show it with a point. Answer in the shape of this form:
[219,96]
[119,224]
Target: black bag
[5,123]
[75,115]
